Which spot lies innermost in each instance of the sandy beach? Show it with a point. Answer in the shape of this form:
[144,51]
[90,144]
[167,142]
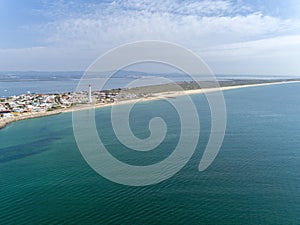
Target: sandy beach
[156,96]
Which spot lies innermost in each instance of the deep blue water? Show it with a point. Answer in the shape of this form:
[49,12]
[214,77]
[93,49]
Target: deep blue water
[254,179]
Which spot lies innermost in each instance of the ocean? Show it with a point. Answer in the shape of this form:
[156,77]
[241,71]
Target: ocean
[253,180]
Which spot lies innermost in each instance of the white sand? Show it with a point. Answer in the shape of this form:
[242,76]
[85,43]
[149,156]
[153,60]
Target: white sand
[156,96]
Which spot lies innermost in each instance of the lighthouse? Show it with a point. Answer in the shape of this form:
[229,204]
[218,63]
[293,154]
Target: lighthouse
[90,94]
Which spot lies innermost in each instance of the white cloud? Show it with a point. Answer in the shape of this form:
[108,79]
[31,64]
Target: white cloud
[278,56]
[78,33]
[100,30]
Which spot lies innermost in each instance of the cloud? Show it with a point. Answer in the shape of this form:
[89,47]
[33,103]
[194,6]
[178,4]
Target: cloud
[197,24]
[78,33]
[277,56]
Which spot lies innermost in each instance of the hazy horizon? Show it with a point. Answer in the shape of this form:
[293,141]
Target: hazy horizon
[140,71]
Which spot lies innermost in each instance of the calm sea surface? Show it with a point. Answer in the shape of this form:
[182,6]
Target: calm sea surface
[254,179]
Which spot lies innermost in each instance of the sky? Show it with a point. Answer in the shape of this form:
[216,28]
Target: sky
[231,36]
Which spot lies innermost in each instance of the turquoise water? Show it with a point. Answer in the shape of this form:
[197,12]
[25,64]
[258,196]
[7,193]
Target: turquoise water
[254,179]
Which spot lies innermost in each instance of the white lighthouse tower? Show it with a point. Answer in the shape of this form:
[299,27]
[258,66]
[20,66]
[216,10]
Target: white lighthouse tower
[90,94]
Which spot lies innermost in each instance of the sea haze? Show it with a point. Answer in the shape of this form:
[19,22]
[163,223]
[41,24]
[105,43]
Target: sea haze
[17,83]
[254,179]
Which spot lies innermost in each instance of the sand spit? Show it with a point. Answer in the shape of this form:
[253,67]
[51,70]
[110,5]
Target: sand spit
[155,96]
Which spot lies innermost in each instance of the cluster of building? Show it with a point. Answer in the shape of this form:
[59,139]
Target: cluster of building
[27,103]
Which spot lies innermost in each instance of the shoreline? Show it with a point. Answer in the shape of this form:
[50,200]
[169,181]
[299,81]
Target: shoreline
[4,122]
[157,96]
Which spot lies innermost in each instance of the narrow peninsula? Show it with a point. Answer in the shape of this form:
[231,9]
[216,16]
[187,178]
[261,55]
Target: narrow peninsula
[28,106]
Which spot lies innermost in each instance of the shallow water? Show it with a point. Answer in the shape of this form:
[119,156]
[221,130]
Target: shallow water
[254,179]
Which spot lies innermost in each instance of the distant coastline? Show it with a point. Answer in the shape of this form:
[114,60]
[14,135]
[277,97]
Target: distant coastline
[154,96]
